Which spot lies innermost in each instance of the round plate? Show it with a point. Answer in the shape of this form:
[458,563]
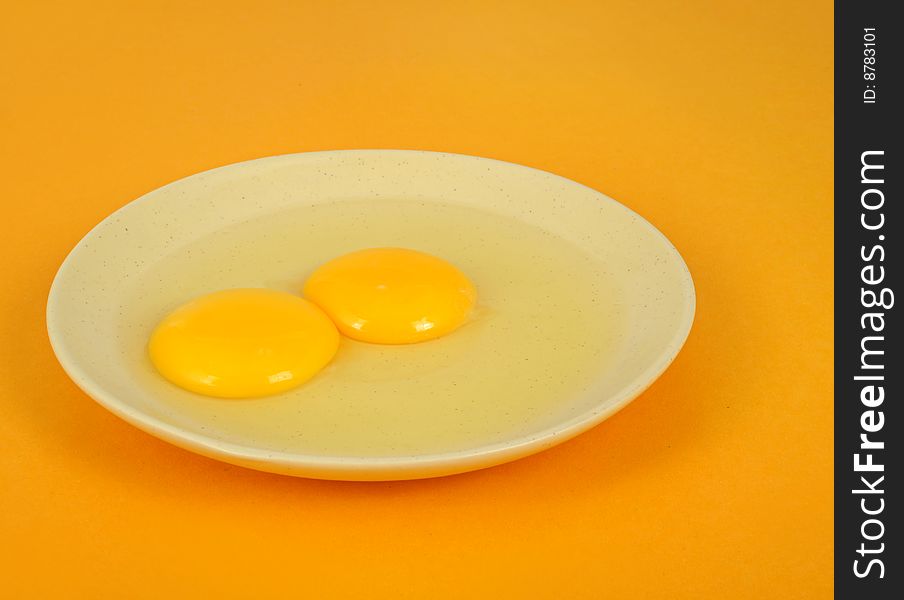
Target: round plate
[84,311]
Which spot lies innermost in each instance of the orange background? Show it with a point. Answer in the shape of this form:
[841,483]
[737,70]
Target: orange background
[712,119]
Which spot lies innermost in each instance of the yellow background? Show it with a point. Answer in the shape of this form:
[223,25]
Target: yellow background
[713,119]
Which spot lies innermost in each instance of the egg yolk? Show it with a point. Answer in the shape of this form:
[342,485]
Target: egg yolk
[243,343]
[392,295]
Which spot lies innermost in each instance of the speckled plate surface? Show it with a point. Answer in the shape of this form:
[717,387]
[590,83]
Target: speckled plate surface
[265,223]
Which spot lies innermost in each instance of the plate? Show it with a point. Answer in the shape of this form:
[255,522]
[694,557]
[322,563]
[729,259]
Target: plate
[120,268]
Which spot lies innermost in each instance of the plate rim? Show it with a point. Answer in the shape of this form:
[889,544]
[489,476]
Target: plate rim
[443,463]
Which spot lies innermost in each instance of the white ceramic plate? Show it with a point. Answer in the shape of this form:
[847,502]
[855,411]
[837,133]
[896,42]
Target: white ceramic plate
[114,270]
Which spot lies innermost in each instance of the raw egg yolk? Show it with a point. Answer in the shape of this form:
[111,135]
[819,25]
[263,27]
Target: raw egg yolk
[392,295]
[243,343]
